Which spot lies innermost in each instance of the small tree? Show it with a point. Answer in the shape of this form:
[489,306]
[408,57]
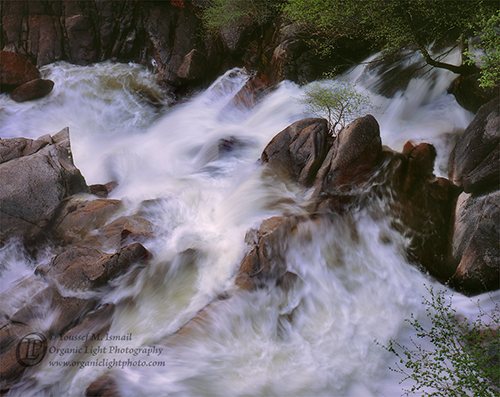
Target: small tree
[337,102]
[463,362]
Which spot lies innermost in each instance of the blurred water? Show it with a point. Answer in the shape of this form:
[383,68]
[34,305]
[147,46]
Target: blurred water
[193,172]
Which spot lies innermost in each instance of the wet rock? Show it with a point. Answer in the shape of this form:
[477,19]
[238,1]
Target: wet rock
[298,151]
[422,207]
[76,216]
[469,94]
[116,234]
[476,248]
[15,70]
[103,191]
[193,67]
[34,89]
[475,160]
[251,93]
[105,386]
[33,186]
[10,369]
[264,265]
[352,159]
[56,312]
[81,268]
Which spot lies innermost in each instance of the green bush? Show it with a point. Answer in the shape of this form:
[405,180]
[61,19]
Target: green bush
[337,102]
[465,359]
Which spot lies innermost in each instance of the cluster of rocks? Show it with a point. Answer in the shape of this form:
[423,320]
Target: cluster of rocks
[21,78]
[45,200]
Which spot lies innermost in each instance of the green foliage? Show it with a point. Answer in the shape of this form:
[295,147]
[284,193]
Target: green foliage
[338,102]
[462,363]
[489,33]
[391,25]
[223,14]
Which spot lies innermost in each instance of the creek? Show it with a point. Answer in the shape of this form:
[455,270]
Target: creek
[354,286]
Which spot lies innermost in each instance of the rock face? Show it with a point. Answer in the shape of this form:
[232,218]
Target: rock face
[34,89]
[34,184]
[298,151]
[422,206]
[475,166]
[475,161]
[476,247]
[166,36]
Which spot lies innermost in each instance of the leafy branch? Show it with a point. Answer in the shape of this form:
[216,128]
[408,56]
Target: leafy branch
[465,359]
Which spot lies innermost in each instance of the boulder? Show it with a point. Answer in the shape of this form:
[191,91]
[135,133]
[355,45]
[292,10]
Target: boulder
[264,265]
[15,70]
[352,159]
[476,248]
[34,89]
[33,186]
[298,151]
[81,268]
[468,93]
[475,160]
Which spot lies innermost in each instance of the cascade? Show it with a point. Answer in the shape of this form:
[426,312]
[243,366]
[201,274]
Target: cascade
[353,285]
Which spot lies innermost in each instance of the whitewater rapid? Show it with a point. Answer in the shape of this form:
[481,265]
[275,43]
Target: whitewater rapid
[354,286]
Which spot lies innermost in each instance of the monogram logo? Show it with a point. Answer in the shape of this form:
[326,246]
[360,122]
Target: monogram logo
[31,349]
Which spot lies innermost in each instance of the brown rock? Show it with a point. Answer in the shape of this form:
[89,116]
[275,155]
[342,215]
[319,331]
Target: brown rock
[76,216]
[475,160]
[298,151]
[352,159]
[15,70]
[422,207]
[265,264]
[32,90]
[105,386]
[121,231]
[251,93]
[476,248]
[68,311]
[469,94]
[82,268]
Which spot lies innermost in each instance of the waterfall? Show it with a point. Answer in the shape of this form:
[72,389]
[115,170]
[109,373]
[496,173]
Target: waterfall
[353,287]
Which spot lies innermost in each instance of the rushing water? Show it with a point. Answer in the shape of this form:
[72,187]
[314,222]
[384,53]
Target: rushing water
[317,338]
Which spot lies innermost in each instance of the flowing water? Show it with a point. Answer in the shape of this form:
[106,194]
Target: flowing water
[193,171]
